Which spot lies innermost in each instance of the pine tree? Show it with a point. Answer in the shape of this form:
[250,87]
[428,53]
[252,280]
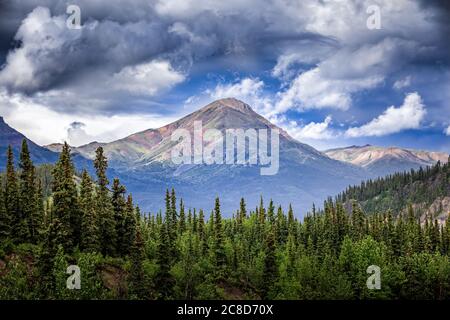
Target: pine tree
[12,197]
[271,212]
[107,232]
[52,237]
[5,221]
[358,221]
[270,265]
[89,223]
[30,218]
[65,201]
[137,270]
[261,212]
[129,227]
[291,220]
[182,219]
[164,281]
[281,231]
[119,209]
[40,210]
[219,249]
[201,231]
[241,215]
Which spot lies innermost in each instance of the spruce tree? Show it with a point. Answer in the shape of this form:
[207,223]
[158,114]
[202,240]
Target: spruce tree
[358,221]
[107,232]
[270,266]
[65,201]
[136,277]
[219,250]
[5,221]
[30,219]
[241,215]
[89,223]
[182,219]
[261,212]
[164,281]
[271,212]
[119,209]
[201,231]
[291,220]
[129,228]
[40,210]
[12,197]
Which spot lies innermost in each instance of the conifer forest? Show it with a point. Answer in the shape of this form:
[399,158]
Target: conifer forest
[52,217]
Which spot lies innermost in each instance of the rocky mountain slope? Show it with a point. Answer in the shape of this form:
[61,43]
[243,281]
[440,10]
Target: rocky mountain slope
[144,162]
[385,160]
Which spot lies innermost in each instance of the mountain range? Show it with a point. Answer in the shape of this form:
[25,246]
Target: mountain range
[10,136]
[381,161]
[143,163]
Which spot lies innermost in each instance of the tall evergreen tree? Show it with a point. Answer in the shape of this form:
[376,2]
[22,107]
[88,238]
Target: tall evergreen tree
[136,278]
[65,201]
[270,265]
[129,228]
[182,219]
[30,218]
[89,225]
[5,220]
[164,280]
[358,221]
[119,209]
[107,226]
[219,250]
[12,196]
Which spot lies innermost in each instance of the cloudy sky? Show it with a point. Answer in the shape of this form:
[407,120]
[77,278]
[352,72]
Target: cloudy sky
[331,72]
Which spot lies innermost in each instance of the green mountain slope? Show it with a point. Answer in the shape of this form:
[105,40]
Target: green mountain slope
[427,190]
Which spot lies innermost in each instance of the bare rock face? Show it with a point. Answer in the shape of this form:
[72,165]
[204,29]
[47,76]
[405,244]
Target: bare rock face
[439,210]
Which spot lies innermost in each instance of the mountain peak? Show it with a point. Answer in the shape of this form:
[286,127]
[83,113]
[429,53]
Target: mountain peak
[231,102]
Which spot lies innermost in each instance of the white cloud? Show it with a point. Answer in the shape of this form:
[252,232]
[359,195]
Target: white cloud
[334,80]
[45,126]
[408,116]
[313,130]
[77,135]
[313,90]
[402,83]
[447,131]
[147,78]
[249,90]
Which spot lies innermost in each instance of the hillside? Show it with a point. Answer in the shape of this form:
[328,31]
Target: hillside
[10,136]
[427,190]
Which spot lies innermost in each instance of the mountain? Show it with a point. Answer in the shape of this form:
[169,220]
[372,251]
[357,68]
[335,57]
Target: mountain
[381,161]
[427,190]
[143,162]
[39,155]
[10,136]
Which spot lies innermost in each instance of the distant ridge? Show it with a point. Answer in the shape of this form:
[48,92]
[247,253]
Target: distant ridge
[384,160]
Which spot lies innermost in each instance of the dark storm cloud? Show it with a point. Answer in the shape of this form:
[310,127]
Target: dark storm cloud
[77,70]
[122,33]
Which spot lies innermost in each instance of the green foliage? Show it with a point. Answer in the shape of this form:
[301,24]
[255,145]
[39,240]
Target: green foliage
[257,254]
[104,207]
[395,192]
[65,201]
